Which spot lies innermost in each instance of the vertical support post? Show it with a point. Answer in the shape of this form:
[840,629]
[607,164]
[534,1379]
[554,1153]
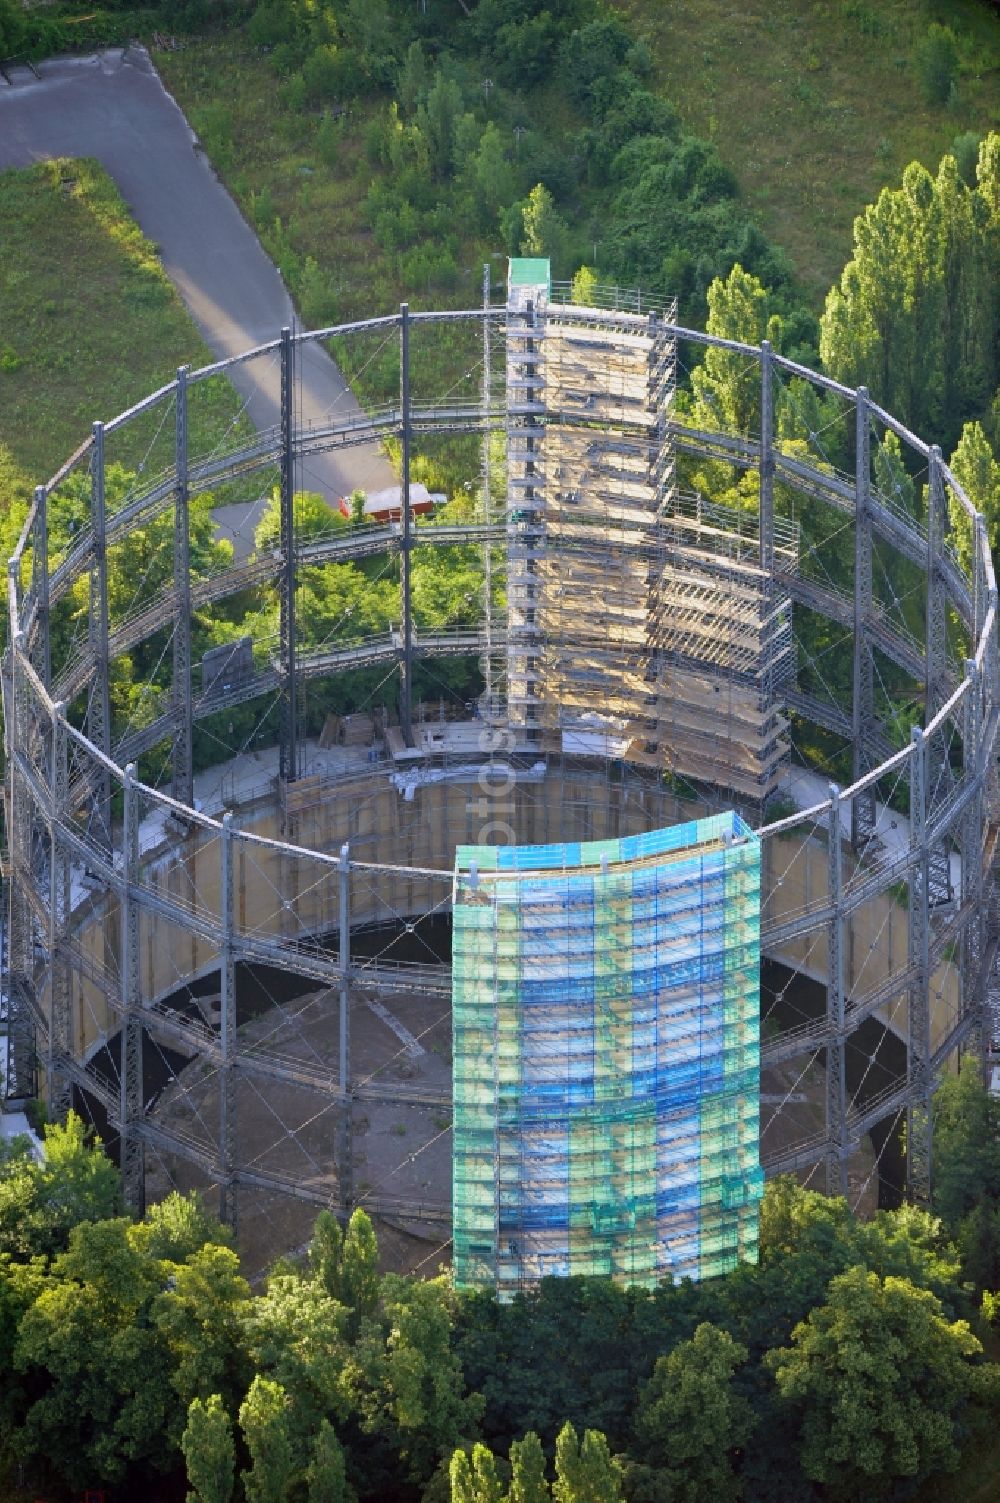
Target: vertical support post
[182,753]
[288,751]
[970,839]
[406,662]
[938,767]
[40,586]
[766,515]
[99,702]
[60,970]
[863,675]
[227,1033]
[937,603]
[22,1045]
[837,1145]
[346,1114]
[131,1088]
[487,506]
[971,845]
[918,1112]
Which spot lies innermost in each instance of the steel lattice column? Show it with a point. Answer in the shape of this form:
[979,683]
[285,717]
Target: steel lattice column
[939,777]
[131,1092]
[181,752]
[228,1207]
[60,1038]
[971,837]
[836,1078]
[346,1115]
[863,676]
[406,543]
[41,644]
[99,701]
[486,661]
[766,518]
[918,1115]
[937,593]
[288,752]
[22,1005]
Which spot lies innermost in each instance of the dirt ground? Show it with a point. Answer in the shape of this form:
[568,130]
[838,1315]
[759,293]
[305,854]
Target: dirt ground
[398,1150]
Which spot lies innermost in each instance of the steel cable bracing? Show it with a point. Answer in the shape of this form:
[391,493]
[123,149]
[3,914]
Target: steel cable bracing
[187,899]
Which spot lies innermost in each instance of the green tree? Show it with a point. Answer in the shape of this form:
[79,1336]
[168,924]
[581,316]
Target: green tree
[12,28]
[177,1227]
[313,517]
[295,1335]
[326,1474]
[20,1286]
[413,79]
[474,1479]
[437,119]
[967,1172]
[492,175]
[346,1263]
[407,1381]
[978,473]
[915,314]
[97,1368]
[41,1202]
[527,1471]
[201,1316]
[727,384]
[545,232]
[264,1422]
[890,474]
[326,1253]
[691,1423]
[585,286]
[966,1145]
[207,1443]
[360,1265]
[585,1472]
[937,63]
[880,1384]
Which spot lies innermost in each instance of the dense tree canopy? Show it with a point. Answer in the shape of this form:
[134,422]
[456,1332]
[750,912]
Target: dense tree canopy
[916,314]
[136,1351]
[882,1384]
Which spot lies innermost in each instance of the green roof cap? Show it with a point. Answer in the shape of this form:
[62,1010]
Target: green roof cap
[530,271]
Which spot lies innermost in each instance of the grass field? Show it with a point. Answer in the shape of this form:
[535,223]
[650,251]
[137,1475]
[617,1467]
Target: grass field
[815,104]
[88,320]
[301,178]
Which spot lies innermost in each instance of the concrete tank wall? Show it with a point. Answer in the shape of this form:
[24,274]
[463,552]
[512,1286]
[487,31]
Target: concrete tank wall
[278,893]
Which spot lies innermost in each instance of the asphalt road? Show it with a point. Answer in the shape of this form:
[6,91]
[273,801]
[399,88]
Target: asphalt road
[113,106]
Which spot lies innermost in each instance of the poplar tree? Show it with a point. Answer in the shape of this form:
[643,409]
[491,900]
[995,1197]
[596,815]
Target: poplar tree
[207,1444]
[915,316]
[326,1474]
[527,1469]
[264,1422]
[585,1472]
[978,473]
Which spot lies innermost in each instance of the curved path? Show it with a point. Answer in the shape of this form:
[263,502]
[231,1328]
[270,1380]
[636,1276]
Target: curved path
[113,106]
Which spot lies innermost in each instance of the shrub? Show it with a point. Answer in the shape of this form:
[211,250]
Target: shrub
[937,63]
[317,300]
[326,72]
[272,23]
[11,28]
[593,53]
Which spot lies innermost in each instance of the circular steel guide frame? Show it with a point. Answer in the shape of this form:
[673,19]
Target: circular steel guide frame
[108,876]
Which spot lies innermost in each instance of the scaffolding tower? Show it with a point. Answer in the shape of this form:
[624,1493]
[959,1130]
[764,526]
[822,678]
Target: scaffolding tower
[641,624]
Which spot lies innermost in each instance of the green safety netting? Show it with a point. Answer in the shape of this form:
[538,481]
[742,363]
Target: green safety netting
[607,1057]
